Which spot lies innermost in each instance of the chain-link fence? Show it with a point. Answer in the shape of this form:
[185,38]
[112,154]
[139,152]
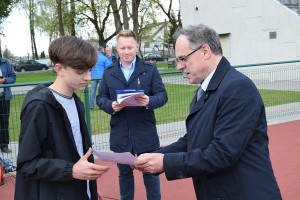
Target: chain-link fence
[278,83]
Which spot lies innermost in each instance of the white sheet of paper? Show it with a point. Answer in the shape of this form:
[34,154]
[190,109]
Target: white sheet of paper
[129,98]
[123,158]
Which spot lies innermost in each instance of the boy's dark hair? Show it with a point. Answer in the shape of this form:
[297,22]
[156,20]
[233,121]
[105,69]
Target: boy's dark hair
[73,52]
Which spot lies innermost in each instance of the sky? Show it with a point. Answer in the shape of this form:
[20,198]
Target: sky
[17,36]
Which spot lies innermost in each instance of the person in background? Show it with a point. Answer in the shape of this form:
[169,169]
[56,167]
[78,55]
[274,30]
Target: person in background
[55,158]
[132,128]
[225,149]
[110,55]
[7,76]
[97,72]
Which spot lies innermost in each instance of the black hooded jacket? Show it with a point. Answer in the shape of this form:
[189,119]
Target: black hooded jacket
[47,150]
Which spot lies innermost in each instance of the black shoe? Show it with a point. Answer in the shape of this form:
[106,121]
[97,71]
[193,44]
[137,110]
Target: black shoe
[5,150]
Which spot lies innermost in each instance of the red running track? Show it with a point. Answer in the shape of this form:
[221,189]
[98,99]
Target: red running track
[284,151]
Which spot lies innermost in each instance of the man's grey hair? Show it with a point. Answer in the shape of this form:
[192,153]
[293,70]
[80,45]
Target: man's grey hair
[199,35]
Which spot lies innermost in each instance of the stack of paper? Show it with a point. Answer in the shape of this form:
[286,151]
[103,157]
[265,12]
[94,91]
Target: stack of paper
[128,97]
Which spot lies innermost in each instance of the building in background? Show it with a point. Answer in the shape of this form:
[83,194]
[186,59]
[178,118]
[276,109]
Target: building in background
[255,31]
[155,42]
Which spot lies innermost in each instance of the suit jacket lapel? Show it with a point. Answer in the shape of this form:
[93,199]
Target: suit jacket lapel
[197,105]
[119,74]
[218,76]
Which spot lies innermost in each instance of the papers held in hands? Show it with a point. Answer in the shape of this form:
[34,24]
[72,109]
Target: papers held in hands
[127,97]
[123,158]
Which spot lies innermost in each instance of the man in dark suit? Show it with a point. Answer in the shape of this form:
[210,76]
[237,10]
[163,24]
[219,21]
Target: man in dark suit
[225,150]
[133,128]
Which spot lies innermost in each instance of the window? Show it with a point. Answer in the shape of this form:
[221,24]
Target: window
[272,35]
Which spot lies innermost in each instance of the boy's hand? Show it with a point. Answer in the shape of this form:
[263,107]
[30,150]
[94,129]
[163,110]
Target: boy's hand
[84,170]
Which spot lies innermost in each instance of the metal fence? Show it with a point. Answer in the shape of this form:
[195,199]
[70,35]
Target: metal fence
[278,83]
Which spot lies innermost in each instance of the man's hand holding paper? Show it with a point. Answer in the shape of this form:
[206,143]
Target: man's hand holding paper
[150,163]
[132,97]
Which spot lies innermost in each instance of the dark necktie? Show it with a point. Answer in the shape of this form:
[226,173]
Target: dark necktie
[200,92]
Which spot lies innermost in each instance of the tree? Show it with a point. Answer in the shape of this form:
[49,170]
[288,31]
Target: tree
[97,12]
[135,17]
[174,19]
[125,14]
[43,55]
[60,18]
[5,9]
[70,17]
[32,31]
[116,14]
[7,54]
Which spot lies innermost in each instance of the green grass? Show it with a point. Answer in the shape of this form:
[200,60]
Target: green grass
[278,97]
[49,75]
[40,76]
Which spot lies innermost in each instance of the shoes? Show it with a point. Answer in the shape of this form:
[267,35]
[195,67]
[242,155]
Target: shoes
[5,150]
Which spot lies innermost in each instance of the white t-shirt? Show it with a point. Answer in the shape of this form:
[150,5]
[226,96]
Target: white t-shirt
[70,107]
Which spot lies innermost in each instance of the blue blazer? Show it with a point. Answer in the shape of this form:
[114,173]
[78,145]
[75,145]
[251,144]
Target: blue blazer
[10,77]
[132,128]
[225,149]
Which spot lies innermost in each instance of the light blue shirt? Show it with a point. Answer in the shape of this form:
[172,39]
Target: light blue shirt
[127,72]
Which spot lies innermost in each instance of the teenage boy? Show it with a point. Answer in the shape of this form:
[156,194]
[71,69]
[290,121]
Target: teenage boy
[55,159]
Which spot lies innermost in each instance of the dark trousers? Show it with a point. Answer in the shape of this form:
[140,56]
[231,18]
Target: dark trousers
[4,121]
[126,183]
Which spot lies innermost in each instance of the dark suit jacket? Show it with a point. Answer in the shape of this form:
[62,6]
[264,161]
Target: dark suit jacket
[132,128]
[225,149]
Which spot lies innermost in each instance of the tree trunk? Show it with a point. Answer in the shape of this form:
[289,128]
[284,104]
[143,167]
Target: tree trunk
[117,18]
[125,14]
[32,33]
[72,20]
[60,18]
[135,16]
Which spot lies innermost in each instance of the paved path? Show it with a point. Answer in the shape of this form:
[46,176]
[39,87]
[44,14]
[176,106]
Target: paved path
[284,151]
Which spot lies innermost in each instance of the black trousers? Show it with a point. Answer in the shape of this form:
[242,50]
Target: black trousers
[4,121]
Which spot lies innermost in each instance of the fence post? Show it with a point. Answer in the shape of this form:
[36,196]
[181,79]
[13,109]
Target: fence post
[87,110]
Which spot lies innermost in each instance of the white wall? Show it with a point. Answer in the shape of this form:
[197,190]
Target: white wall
[245,25]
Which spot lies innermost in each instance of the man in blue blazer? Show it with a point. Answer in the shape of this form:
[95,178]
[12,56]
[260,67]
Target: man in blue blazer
[7,76]
[133,128]
[225,150]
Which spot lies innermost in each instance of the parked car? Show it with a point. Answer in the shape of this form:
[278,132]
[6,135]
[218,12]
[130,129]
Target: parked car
[153,57]
[45,61]
[29,65]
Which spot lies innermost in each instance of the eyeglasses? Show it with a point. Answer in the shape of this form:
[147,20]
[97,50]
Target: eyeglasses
[182,59]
